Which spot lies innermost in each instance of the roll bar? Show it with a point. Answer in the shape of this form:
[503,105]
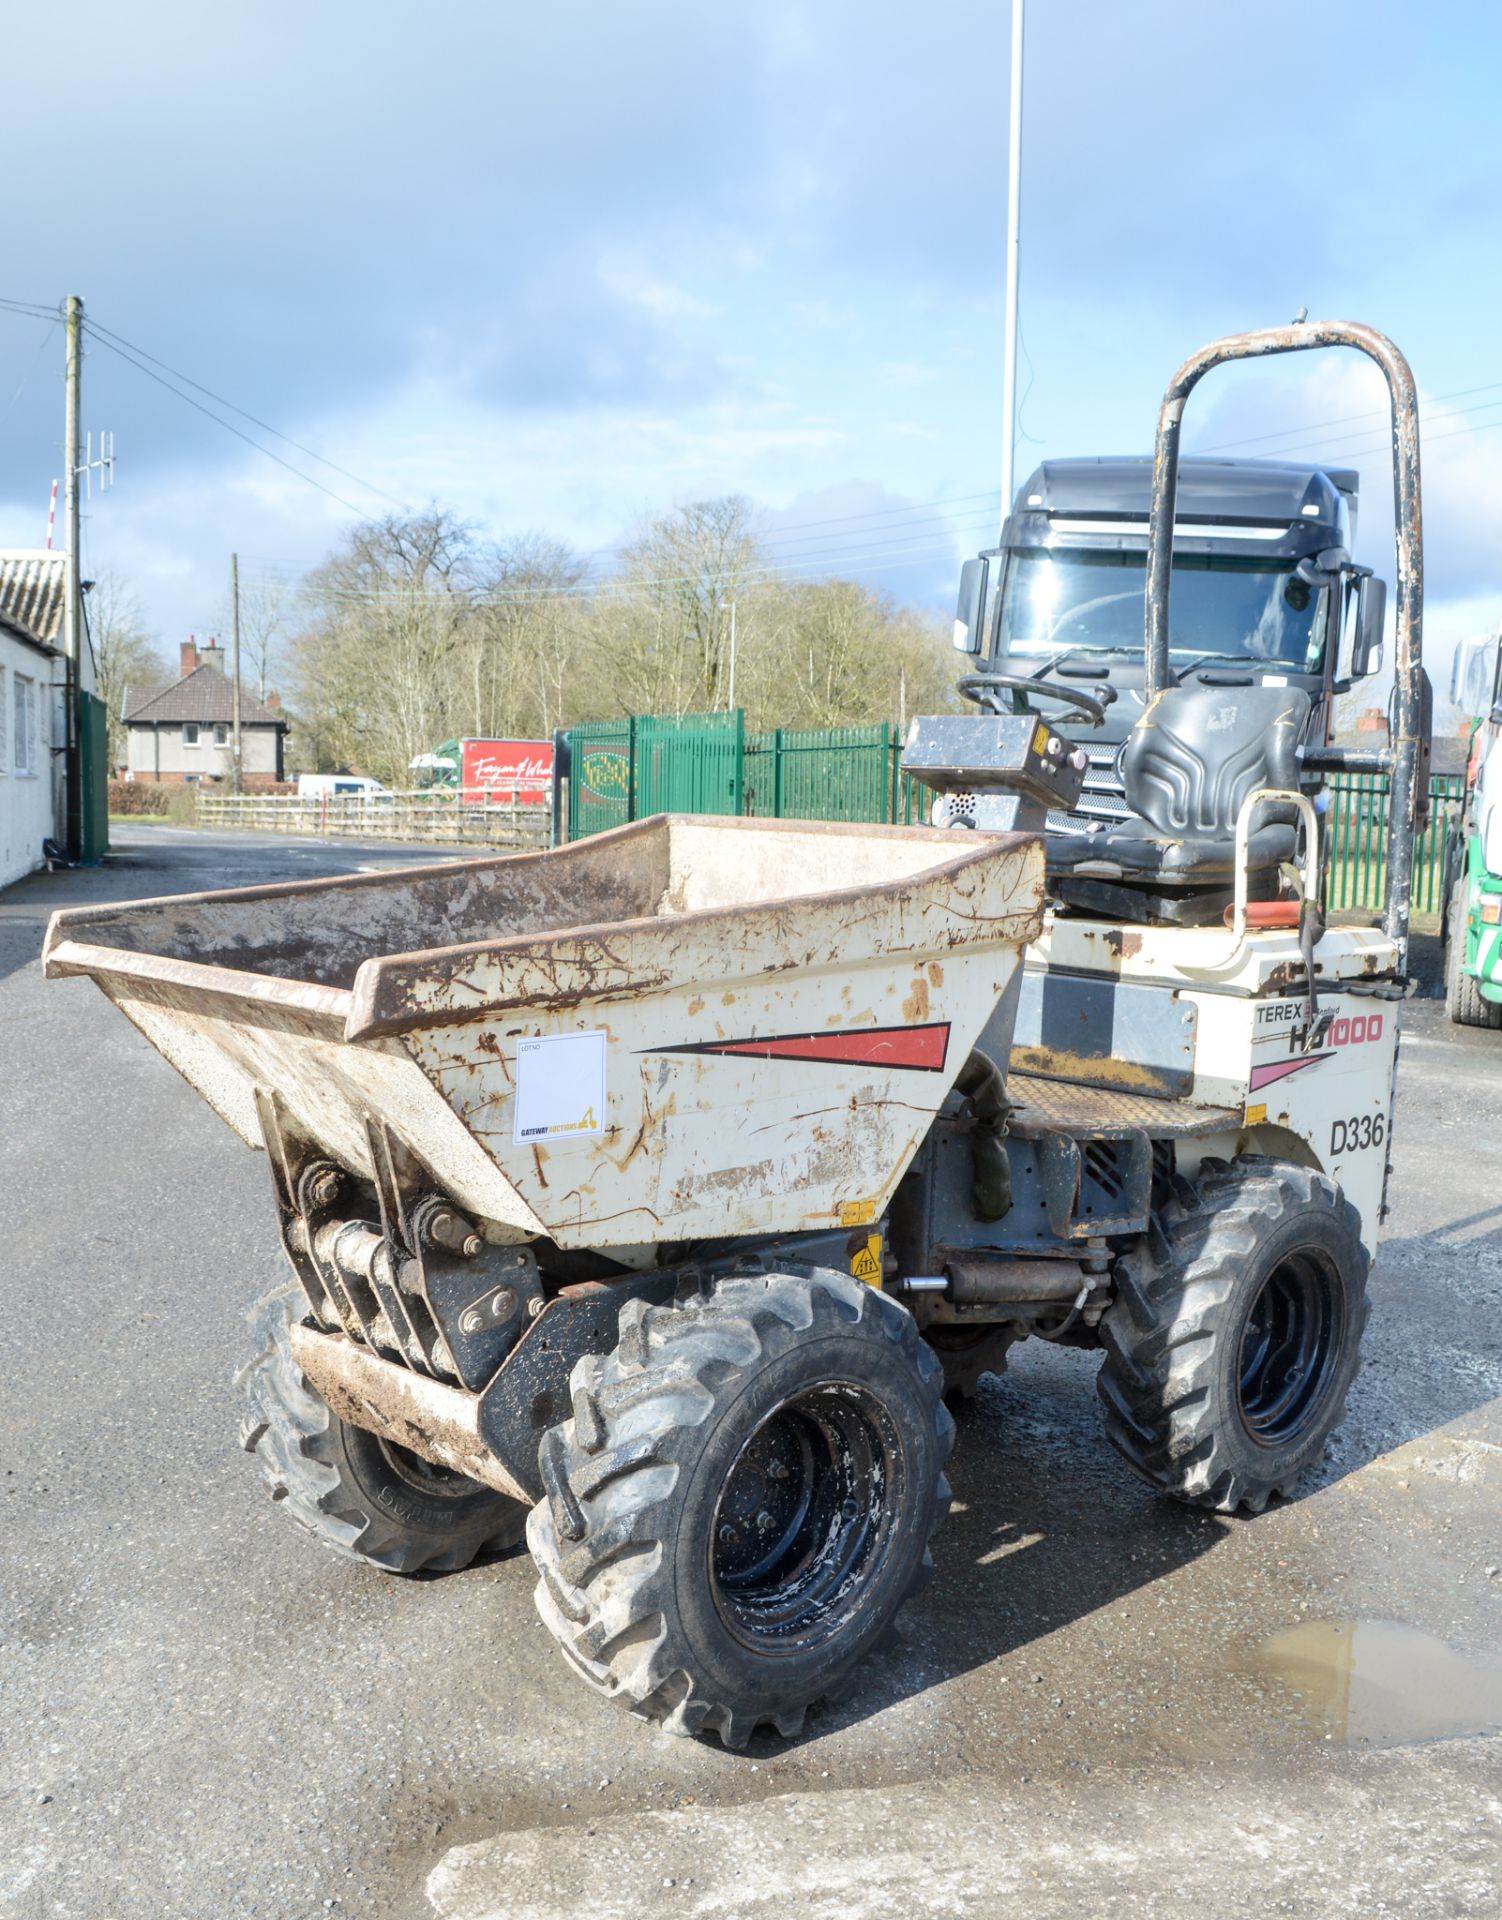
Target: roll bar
[1403,758]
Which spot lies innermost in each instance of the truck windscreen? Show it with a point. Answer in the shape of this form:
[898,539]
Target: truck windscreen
[1055,600]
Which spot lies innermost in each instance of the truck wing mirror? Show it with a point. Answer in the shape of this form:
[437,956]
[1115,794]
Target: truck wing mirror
[970,611]
[1371,611]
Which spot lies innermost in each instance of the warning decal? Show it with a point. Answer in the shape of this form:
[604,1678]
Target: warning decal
[560,1086]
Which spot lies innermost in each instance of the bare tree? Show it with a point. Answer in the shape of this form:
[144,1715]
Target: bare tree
[265,605]
[391,612]
[127,655]
[678,578]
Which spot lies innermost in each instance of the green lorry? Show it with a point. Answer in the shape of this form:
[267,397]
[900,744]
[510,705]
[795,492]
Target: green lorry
[1473,850]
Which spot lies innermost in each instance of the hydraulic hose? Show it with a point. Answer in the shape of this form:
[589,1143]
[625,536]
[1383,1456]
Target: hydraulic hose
[984,1088]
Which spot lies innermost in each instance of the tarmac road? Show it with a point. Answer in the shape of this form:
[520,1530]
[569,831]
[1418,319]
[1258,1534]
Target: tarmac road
[202,1714]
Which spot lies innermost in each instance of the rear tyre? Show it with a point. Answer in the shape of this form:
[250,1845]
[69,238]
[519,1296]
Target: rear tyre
[1463,998]
[361,1496]
[742,1500]
[1235,1334]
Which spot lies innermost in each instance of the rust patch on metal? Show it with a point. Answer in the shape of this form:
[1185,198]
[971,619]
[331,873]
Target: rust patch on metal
[915,1006]
[1057,1063]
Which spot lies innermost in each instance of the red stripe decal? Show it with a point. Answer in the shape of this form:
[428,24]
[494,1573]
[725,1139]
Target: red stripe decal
[916,1049]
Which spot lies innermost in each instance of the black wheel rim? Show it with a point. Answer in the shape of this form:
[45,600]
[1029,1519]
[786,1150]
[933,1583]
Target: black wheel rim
[806,1519]
[1290,1347]
[425,1476]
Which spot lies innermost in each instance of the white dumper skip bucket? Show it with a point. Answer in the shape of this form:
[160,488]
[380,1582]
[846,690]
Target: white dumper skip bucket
[684,1028]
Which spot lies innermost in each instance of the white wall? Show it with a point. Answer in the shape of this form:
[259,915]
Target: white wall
[27,794]
[145,744]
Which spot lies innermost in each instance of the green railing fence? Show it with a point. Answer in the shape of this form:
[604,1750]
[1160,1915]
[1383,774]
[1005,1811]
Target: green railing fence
[1356,831]
[623,770]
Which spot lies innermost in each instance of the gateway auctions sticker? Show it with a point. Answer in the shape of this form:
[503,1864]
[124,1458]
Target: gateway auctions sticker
[560,1086]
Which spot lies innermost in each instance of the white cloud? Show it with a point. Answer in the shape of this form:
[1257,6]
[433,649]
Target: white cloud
[632,283]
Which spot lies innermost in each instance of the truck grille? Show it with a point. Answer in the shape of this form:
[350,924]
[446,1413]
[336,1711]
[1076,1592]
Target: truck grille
[1102,798]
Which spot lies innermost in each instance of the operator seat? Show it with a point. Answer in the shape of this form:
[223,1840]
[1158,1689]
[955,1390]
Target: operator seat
[1188,765]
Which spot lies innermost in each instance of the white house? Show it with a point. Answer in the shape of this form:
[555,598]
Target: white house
[31,711]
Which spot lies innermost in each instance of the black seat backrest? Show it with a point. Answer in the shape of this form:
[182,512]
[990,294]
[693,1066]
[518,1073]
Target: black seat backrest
[1197,752]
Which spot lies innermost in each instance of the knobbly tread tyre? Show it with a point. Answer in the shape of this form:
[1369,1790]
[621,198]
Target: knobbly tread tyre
[1464,1002]
[1183,1294]
[621,1541]
[336,1480]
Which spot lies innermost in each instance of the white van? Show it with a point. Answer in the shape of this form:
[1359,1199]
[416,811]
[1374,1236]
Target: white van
[312,786]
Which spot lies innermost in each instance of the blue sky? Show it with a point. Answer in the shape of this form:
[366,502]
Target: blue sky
[559,268]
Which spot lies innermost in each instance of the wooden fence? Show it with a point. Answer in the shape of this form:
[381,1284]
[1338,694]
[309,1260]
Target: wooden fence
[436,817]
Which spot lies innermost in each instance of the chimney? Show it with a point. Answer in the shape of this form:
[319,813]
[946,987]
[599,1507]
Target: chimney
[211,654]
[273,702]
[189,659]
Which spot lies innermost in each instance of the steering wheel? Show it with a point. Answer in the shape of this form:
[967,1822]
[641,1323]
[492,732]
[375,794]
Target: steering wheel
[976,686]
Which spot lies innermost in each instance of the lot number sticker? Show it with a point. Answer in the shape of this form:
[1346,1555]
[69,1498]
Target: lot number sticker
[560,1086]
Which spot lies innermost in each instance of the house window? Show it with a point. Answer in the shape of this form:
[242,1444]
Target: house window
[25,730]
[221,733]
[190,733]
[4,726]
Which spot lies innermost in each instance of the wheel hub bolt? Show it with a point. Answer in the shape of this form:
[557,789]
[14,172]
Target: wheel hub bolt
[764,1521]
[849,1509]
[728,1536]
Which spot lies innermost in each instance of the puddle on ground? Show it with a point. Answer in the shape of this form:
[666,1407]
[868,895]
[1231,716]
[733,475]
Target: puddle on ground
[1374,1683]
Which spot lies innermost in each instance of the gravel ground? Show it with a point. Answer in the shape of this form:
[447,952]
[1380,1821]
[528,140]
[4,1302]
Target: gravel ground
[201,1713]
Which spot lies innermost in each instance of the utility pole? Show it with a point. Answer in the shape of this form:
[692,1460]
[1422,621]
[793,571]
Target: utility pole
[234,644]
[72,587]
[1014,239]
[730,701]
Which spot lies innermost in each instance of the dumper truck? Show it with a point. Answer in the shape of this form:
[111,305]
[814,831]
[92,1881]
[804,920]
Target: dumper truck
[652,1196]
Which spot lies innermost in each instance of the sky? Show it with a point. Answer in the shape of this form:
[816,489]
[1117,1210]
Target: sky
[561,268]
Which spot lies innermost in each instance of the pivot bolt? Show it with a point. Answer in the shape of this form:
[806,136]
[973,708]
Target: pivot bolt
[325,1186]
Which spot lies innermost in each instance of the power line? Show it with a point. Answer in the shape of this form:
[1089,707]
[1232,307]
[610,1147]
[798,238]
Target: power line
[1347,419]
[228,425]
[119,340]
[52,327]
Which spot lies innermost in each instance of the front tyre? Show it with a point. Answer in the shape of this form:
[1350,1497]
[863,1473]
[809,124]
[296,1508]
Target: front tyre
[1464,1001]
[358,1494]
[742,1499]
[1235,1334]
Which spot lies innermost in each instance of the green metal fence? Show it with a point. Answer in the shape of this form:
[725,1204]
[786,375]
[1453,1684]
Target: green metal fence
[1356,823]
[828,773]
[623,770]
